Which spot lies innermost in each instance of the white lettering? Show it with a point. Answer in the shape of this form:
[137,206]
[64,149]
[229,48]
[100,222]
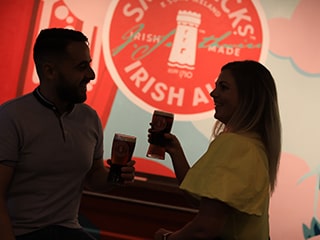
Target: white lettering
[185,74]
[225,50]
[144,4]
[148,85]
[136,11]
[161,92]
[239,16]
[199,97]
[224,5]
[141,75]
[243,31]
[132,66]
[147,37]
[179,96]
[159,88]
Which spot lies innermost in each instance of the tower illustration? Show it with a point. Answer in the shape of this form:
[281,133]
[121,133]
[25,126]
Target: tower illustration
[183,51]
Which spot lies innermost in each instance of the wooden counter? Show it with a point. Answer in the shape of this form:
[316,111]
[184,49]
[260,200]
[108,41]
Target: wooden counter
[136,211]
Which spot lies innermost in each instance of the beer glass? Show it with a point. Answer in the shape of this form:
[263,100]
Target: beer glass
[161,123]
[121,153]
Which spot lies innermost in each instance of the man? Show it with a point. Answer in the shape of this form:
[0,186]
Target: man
[51,145]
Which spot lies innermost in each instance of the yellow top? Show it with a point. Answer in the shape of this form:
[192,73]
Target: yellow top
[234,170]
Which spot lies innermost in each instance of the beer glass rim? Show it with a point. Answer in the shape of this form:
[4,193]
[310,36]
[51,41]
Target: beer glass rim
[162,113]
[121,136]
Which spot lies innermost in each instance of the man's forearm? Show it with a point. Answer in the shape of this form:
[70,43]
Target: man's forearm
[6,231]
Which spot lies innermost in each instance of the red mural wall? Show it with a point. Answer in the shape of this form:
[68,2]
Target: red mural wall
[15,16]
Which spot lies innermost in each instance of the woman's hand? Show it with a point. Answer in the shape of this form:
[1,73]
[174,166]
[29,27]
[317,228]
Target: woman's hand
[167,140]
[172,146]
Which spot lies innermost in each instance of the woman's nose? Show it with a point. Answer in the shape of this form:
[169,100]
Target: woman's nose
[212,93]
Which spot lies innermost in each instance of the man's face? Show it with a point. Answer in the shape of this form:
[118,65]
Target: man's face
[74,73]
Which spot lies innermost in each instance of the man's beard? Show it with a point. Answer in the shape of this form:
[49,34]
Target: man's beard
[71,94]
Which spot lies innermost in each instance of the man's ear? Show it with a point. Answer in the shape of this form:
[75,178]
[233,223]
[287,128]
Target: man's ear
[49,70]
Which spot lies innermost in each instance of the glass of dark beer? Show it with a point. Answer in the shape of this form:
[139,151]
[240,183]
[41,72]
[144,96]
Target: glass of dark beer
[121,153]
[161,123]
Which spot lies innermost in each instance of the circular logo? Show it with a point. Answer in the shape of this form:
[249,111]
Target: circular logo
[159,123]
[121,149]
[167,54]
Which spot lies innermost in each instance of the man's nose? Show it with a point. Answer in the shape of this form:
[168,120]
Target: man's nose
[90,74]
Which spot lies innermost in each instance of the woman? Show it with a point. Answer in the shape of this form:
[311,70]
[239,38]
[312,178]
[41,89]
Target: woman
[235,177]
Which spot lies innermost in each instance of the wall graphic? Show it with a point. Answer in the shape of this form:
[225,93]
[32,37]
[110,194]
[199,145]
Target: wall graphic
[166,54]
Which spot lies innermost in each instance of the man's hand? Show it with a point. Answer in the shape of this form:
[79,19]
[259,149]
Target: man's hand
[127,171]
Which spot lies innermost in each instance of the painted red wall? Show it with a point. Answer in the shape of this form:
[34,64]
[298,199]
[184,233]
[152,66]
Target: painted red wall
[14,16]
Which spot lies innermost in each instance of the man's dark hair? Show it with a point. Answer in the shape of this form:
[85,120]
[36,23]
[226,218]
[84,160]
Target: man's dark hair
[52,42]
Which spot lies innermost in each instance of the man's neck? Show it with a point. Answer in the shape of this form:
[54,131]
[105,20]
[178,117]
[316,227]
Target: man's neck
[56,104]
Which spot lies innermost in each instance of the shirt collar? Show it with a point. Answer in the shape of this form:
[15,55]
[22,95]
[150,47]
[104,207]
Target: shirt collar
[45,102]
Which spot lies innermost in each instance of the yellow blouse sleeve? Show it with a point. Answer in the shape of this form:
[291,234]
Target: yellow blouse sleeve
[233,170]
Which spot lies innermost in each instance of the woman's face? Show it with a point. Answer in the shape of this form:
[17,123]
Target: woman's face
[225,96]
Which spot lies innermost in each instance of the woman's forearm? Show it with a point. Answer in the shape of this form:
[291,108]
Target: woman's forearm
[180,164]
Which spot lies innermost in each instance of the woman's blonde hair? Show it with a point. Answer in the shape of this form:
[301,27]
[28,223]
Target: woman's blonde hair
[257,111]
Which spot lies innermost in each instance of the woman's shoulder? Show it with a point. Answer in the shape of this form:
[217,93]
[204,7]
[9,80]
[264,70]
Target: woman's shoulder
[249,136]
[238,140]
